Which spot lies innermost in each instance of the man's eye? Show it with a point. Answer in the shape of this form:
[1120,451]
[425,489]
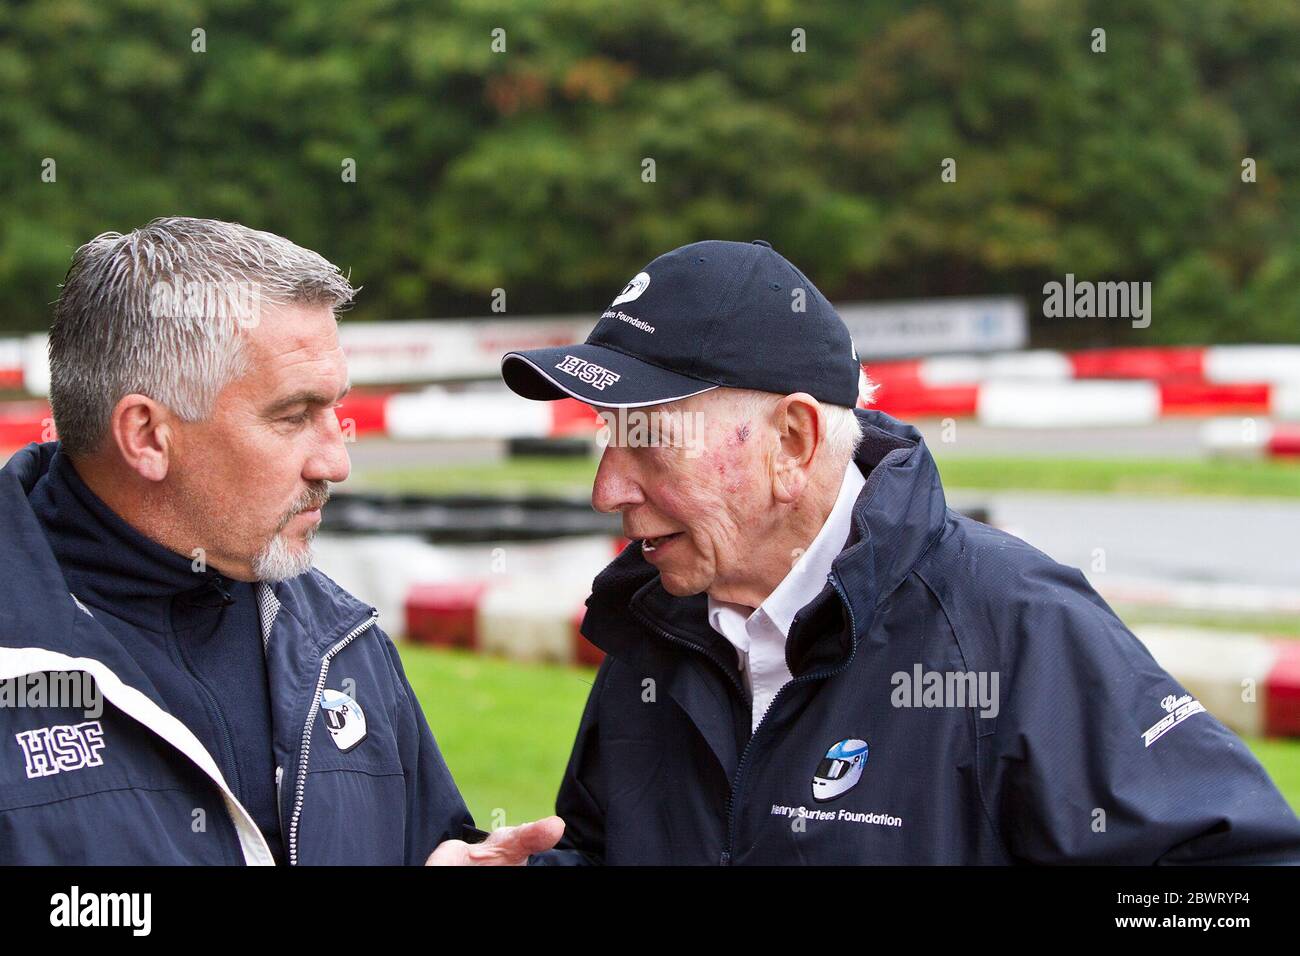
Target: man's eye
[299,419]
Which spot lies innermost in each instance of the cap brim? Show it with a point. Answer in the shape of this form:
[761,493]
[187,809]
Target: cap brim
[619,381]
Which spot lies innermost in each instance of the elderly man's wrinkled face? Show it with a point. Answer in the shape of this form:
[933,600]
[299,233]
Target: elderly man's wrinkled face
[700,512]
[258,471]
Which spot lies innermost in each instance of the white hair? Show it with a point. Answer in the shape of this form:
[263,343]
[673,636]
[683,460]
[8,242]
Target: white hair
[160,311]
[279,562]
[841,431]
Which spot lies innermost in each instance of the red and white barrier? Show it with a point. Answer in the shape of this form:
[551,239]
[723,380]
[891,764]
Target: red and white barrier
[1095,387]
[1033,365]
[1215,364]
[11,364]
[1250,682]
[1252,363]
[1039,388]
[1028,403]
[519,620]
[24,422]
[1156,363]
[1012,404]
[432,414]
[437,413]
[414,352]
[524,617]
[440,414]
[1246,437]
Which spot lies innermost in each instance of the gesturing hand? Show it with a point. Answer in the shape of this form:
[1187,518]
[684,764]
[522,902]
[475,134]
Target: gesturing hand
[505,846]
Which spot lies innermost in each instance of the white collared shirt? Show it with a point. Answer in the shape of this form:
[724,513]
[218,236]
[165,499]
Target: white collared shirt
[759,637]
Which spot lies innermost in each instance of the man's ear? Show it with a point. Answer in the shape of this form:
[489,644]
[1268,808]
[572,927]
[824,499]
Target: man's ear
[143,432]
[798,426]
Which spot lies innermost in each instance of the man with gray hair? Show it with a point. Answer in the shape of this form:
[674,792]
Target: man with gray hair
[811,659]
[255,712]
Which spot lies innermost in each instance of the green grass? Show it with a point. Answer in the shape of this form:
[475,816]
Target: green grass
[506,729]
[1272,625]
[515,476]
[1140,476]
[1281,758]
[1167,477]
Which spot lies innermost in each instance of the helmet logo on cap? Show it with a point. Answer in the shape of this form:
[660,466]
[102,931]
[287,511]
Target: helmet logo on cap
[633,289]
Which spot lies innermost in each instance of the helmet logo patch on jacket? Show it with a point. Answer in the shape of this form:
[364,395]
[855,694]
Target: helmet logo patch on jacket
[840,770]
[343,717]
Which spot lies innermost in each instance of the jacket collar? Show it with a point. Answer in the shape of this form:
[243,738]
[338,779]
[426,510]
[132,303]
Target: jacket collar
[38,609]
[108,563]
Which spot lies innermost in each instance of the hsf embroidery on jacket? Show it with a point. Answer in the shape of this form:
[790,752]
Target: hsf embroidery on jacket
[51,750]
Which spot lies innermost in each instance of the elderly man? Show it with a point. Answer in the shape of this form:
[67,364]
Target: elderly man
[237,705]
[811,659]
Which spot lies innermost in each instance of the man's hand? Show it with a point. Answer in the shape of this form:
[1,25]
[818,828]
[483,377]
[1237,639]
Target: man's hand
[506,846]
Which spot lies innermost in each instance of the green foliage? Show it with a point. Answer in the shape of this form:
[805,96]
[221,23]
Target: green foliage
[523,169]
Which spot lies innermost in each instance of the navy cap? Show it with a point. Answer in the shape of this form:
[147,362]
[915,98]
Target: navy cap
[710,314]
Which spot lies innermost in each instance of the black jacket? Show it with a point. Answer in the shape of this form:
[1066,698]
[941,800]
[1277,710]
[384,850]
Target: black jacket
[1081,755]
[132,783]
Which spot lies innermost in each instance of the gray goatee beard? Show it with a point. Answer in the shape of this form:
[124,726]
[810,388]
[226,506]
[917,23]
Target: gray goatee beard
[278,560]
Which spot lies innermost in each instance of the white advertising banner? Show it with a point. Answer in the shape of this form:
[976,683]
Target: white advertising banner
[933,326]
[429,351]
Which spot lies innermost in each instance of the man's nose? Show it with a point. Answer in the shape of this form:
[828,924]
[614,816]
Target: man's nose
[329,461]
[615,486]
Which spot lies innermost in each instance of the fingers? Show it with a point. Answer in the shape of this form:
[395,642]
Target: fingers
[449,853]
[505,846]
[540,834]
[512,846]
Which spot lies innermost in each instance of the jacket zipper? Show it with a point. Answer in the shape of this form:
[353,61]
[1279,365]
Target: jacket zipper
[694,647]
[725,860]
[228,754]
[301,783]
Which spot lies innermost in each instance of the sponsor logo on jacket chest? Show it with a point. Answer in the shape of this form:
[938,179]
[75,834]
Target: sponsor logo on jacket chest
[838,772]
[344,719]
[62,747]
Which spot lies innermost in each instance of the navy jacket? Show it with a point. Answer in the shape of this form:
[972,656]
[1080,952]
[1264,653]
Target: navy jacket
[1092,753]
[194,633]
[135,785]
